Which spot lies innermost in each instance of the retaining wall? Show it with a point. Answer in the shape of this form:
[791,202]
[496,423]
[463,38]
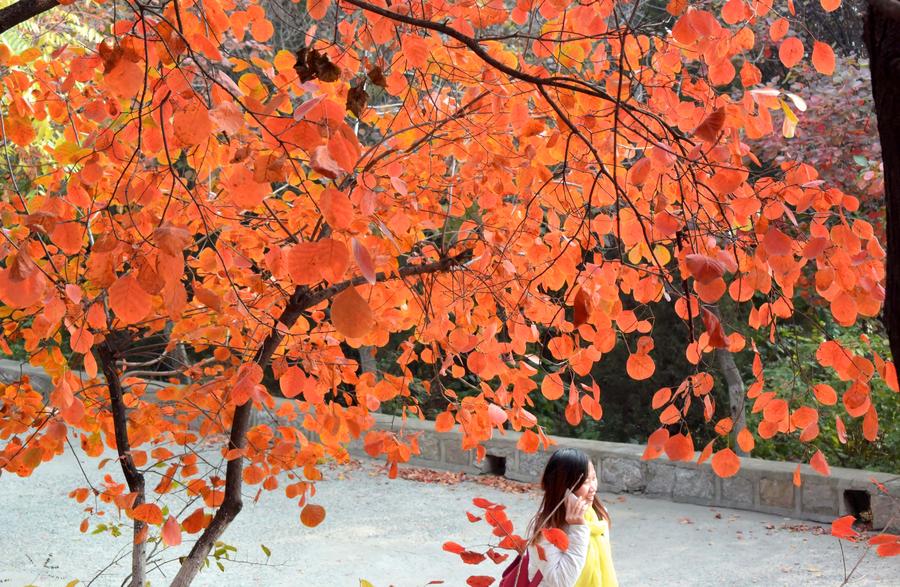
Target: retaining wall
[760,485]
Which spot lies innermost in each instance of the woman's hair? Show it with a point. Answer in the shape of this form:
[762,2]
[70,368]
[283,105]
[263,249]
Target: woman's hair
[566,469]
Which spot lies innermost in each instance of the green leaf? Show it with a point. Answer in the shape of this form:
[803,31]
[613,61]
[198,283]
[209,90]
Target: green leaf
[860,160]
[266,550]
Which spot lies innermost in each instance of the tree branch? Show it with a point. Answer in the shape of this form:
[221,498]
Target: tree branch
[106,356]
[23,10]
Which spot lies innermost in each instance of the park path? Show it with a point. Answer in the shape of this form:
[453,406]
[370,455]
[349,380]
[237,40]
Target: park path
[390,532]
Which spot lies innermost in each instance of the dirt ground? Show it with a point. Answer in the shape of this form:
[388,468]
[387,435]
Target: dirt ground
[390,532]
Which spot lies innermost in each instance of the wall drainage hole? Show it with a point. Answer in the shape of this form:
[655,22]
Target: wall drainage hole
[494,465]
[859,504]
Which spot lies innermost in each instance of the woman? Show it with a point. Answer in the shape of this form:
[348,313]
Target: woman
[570,503]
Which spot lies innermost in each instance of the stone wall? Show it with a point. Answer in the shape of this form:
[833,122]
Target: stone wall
[760,485]
[763,486]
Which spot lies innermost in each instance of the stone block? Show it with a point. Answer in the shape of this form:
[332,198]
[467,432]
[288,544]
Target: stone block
[778,493]
[530,466]
[619,474]
[693,484]
[819,498]
[429,448]
[660,479]
[454,454]
[884,511]
[737,491]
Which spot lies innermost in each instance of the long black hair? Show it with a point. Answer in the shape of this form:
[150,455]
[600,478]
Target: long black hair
[566,469]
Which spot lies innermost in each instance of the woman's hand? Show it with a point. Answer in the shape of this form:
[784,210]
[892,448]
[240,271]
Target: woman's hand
[575,507]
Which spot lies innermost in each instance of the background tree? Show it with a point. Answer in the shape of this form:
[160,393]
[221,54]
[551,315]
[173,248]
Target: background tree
[506,193]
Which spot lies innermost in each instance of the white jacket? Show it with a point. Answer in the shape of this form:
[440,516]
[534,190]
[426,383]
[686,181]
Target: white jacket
[561,569]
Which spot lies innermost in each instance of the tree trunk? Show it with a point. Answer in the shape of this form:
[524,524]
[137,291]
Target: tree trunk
[232,503]
[16,14]
[106,356]
[735,384]
[882,37]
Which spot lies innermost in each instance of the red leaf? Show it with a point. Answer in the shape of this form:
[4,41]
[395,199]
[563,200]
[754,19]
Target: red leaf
[790,52]
[312,515]
[819,464]
[351,314]
[823,58]
[843,528]
[725,463]
[704,269]
[453,547]
[171,532]
[581,308]
[710,128]
[556,537]
[363,260]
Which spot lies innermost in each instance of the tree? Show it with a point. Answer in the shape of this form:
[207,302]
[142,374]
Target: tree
[881,42]
[454,174]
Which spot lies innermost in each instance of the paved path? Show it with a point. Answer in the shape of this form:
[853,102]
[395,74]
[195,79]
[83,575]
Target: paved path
[391,532]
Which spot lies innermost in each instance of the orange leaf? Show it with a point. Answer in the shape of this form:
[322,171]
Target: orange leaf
[581,308]
[552,386]
[336,208]
[640,366]
[725,463]
[444,422]
[745,440]
[363,260]
[704,269]
[843,528]
[819,464]
[776,243]
[656,444]
[776,410]
[128,300]
[710,128]
[870,425]
[823,58]
[415,49]
[317,8]
[825,394]
[790,52]
[830,5]
[351,314]
[196,522]
[778,29]
[496,415]
[334,259]
[556,537]
[796,476]
[528,442]
[323,164]
[724,426]
[841,429]
[193,126]
[312,515]
[292,382]
[253,475]
[149,513]
[171,532]
[889,549]
[661,397]
[172,239]
[680,447]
